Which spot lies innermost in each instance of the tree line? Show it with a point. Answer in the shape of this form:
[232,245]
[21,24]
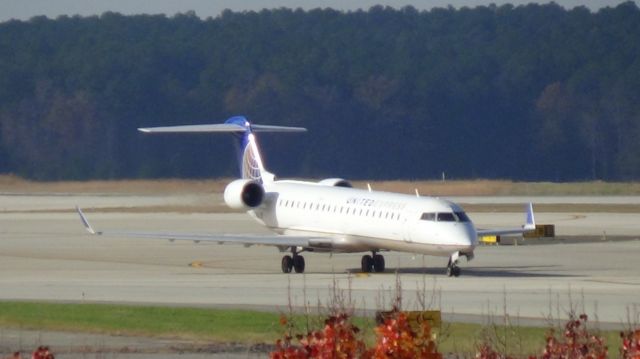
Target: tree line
[534,92]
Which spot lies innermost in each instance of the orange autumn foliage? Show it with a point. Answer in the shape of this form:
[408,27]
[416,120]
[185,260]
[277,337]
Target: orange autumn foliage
[397,339]
[339,339]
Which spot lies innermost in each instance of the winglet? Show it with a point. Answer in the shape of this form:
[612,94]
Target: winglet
[530,223]
[85,221]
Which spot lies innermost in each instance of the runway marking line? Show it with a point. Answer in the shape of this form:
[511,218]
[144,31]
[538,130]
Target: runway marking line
[611,282]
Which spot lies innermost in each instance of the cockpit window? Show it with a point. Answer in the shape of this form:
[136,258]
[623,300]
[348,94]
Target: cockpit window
[462,217]
[446,217]
[428,217]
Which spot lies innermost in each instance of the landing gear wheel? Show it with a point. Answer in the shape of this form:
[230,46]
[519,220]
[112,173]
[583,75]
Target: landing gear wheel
[298,264]
[287,264]
[453,271]
[378,263]
[452,267]
[366,263]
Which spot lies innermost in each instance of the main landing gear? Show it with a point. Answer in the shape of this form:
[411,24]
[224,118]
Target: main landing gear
[452,268]
[373,262]
[293,261]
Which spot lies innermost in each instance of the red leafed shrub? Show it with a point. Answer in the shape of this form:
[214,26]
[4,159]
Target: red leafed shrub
[339,339]
[630,344]
[336,340]
[397,339]
[576,342]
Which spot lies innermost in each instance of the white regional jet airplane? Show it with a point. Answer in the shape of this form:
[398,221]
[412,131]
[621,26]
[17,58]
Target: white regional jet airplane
[329,215]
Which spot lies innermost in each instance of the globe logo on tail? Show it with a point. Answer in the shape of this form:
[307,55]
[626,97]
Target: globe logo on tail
[251,162]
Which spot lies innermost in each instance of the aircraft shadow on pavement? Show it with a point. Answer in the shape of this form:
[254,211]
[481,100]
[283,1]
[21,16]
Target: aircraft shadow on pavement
[490,272]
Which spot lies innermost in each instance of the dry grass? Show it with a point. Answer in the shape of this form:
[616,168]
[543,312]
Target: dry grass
[440,188]
[13,184]
[505,188]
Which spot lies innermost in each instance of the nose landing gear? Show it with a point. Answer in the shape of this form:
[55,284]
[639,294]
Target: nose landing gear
[452,268]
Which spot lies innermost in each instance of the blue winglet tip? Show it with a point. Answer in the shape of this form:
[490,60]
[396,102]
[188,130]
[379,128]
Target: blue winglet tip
[530,220]
[85,221]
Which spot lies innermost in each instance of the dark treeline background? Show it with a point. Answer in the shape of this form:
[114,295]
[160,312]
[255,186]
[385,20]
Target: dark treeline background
[531,92]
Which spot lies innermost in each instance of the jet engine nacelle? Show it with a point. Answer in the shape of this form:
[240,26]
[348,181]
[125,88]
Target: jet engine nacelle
[243,194]
[335,182]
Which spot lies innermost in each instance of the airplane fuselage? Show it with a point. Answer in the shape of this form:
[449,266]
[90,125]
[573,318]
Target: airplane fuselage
[355,220]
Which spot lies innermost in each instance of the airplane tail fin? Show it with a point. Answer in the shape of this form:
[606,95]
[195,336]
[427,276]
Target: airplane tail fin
[250,161]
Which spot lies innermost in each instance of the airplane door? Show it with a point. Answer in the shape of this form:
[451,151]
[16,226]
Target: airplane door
[407,228]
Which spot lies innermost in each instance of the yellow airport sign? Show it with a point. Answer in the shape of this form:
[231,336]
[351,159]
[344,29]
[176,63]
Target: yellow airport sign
[541,231]
[490,239]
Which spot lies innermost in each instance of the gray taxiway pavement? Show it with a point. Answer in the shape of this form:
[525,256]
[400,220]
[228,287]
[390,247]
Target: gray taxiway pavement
[48,256]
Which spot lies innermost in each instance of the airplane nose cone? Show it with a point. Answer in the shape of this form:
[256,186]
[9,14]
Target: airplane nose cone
[469,237]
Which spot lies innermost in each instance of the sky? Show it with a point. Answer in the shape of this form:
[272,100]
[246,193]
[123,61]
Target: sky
[25,9]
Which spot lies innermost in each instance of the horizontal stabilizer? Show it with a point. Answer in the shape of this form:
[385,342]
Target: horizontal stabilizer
[269,128]
[223,127]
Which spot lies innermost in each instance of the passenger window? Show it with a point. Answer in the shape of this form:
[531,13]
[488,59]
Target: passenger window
[428,217]
[446,217]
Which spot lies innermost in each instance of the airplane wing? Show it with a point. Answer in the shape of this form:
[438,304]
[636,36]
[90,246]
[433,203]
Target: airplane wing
[530,225]
[244,239]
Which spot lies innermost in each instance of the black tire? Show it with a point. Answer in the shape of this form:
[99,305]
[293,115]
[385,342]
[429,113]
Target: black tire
[456,271]
[378,263]
[298,264]
[449,271]
[287,264]
[366,264]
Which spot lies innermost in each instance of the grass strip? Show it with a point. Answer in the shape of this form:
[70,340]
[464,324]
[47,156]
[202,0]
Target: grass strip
[472,187]
[250,327]
[152,321]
